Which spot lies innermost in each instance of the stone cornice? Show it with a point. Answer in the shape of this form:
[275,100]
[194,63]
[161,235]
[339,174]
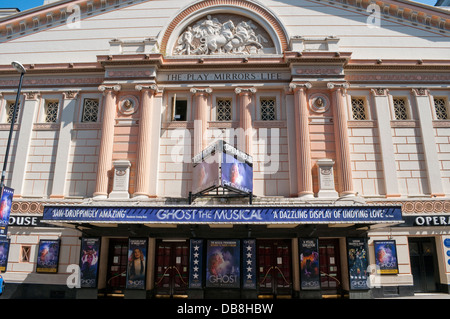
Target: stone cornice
[51,15]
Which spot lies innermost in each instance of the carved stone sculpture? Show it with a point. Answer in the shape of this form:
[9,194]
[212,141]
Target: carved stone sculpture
[233,35]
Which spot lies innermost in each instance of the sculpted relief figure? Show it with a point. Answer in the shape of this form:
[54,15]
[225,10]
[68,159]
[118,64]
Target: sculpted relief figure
[210,36]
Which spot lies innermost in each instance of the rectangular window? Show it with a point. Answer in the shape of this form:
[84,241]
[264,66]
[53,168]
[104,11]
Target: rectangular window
[223,109]
[51,111]
[400,108]
[90,111]
[179,107]
[267,105]
[359,109]
[25,253]
[441,108]
[10,112]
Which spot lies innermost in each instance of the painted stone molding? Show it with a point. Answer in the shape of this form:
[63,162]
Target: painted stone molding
[419,206]
[223,34]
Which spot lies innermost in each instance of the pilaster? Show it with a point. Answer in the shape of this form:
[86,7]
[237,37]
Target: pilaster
[381,98]
[106,141]
[303,145]
[341,138]
[429,141]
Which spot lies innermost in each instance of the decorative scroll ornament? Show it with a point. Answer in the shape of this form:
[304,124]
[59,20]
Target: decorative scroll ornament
[231,36]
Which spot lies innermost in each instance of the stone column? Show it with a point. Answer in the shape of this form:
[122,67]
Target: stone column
[26,117]
[303,146]
[107,140]
[432,163]
[64,144]
[144,146]
[245,119]
[381,99]
[341,138]
[201,118]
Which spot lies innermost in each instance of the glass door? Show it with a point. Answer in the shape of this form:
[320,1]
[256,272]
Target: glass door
[422,252]
[172,268]
[329,263]
[117,265]
[274,267]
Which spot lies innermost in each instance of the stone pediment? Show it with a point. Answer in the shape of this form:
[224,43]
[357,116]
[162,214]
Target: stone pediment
[227,34]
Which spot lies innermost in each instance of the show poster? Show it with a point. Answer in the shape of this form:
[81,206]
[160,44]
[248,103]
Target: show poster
[309,264]
[237,174]
[206,175]
[249,264]
[357,263]
[386,257]
[196,264]
[48,256]
[5,209]
[223,263]
[137,261]
[4,251]
[90,253]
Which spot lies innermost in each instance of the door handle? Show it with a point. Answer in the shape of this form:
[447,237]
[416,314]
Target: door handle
[282,275]
[267,273]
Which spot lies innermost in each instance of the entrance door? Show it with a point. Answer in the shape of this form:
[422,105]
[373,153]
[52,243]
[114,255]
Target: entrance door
[422,252]
[329,263]
[274,267]
[172,267]
[117,266]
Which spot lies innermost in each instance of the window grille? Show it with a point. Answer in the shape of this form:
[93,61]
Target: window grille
[400,108]
[10,112]
[51,112]
[90,110]
[25,253]
[223,109]
[359,109]
[268,109]
[440,106]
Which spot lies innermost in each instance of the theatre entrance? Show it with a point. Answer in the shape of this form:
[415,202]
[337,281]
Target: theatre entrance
[172,268]
[422,253]
[274,268]
[330,267]
[116,275]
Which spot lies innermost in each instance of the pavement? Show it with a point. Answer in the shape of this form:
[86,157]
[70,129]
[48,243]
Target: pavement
[422,296]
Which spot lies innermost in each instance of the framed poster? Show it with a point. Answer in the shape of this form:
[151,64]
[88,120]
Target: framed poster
[48,256]
[4,251]
[357,263]
[5,209]
[309,264]
[137,261]
[90,253]
[249,263]
[223,263]
[196,263]
[386,257]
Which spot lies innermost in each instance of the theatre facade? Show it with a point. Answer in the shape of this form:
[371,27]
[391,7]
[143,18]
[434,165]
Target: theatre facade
[227,149]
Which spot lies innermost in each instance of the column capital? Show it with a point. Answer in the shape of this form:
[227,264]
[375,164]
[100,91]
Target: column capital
[151,87]
[245,90]
[420,91]
[104,88]
[70,95]
[379,91]
[201,90]
[338,85]
[299,85]
[32,95]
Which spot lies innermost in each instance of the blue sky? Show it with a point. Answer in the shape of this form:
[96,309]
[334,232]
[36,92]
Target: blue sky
[23,5]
